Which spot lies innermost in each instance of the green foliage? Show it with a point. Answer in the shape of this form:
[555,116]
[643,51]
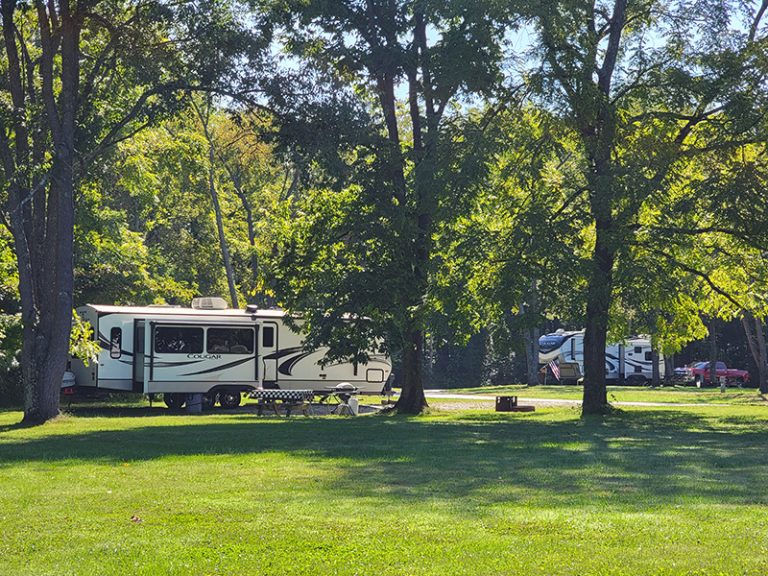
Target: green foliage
[11,393]
[524,225]
[338,264]
[146,231]
[377,199]
[82,341]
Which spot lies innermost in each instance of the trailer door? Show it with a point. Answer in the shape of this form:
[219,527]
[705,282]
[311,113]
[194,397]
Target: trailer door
[269,353]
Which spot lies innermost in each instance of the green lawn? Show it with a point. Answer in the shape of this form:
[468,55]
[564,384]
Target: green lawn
[651,491]
[671,394]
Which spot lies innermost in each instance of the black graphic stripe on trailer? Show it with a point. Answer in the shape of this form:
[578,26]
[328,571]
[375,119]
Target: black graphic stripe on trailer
[287,367]
[282,353]
[220,368]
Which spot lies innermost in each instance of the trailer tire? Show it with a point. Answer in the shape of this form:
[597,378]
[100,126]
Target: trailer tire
[229,398]
[174,401]
[636,380]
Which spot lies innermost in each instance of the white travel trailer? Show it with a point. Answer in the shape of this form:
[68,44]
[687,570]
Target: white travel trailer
[629,361]
[211,350]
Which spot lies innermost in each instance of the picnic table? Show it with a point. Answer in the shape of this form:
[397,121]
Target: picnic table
[290,400]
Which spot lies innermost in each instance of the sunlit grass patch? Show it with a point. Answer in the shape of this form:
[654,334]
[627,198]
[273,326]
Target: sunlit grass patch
[662,491]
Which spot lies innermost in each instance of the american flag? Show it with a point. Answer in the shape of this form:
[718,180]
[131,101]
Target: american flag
[555,369]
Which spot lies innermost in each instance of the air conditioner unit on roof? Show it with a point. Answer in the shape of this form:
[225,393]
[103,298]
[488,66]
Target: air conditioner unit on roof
[209,303]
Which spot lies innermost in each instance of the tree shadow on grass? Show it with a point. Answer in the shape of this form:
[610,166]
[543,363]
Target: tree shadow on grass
[636,459]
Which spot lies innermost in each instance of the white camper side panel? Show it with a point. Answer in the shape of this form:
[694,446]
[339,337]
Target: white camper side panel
[630,360]
[613,361]
[112,369]
[639,358]
[298,369]
[115,335]
[194,357]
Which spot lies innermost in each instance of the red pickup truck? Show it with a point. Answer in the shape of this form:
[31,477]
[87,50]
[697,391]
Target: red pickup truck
[700,374]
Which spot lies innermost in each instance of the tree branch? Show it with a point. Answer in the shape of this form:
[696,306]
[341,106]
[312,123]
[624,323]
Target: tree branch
[704,276]
[706,230]
[756,22]
[605,74]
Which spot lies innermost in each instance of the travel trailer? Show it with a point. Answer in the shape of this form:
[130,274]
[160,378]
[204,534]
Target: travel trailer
[629,361]
[212,350]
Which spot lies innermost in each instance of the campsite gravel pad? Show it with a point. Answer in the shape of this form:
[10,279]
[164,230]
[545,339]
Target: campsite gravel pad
[323,409]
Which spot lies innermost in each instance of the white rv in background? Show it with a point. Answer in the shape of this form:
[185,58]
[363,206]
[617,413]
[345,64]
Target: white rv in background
[629,361]
[211,350]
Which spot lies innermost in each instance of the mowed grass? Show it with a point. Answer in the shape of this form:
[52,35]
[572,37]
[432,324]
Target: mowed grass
[666,394]
[137,491]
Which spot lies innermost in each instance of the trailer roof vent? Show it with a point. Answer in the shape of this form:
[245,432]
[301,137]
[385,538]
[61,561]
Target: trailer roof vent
[209,303]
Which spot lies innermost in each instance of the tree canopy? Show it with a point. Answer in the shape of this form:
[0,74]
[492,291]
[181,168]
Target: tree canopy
[404,173]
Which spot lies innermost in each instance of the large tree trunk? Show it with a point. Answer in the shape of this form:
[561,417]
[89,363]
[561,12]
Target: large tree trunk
[669,369]
[412,399]
[595,399]
[40,198]
[712,354]
[756,342]
[531,335]
[46,342]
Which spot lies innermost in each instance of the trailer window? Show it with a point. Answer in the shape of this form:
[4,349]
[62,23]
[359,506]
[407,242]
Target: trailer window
[649,356]
[178,340]
[115,342]
[230,340]
[268,337]
[638,350]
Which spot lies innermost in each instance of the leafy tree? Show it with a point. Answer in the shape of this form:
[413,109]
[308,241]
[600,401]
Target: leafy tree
[647,88]
[514,252]
[410,62]
[81,77]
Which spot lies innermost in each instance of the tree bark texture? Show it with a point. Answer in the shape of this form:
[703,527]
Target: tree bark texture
[712,373]
[669,369]
[424,158]
[531,338]
[531,333]
[754,329]
[655,372]
[595,400]
[597,127]
[412,399]
[40,197]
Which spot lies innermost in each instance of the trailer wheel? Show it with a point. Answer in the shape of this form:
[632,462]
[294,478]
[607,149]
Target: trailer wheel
[637,380]
[174,400]
[229,399]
